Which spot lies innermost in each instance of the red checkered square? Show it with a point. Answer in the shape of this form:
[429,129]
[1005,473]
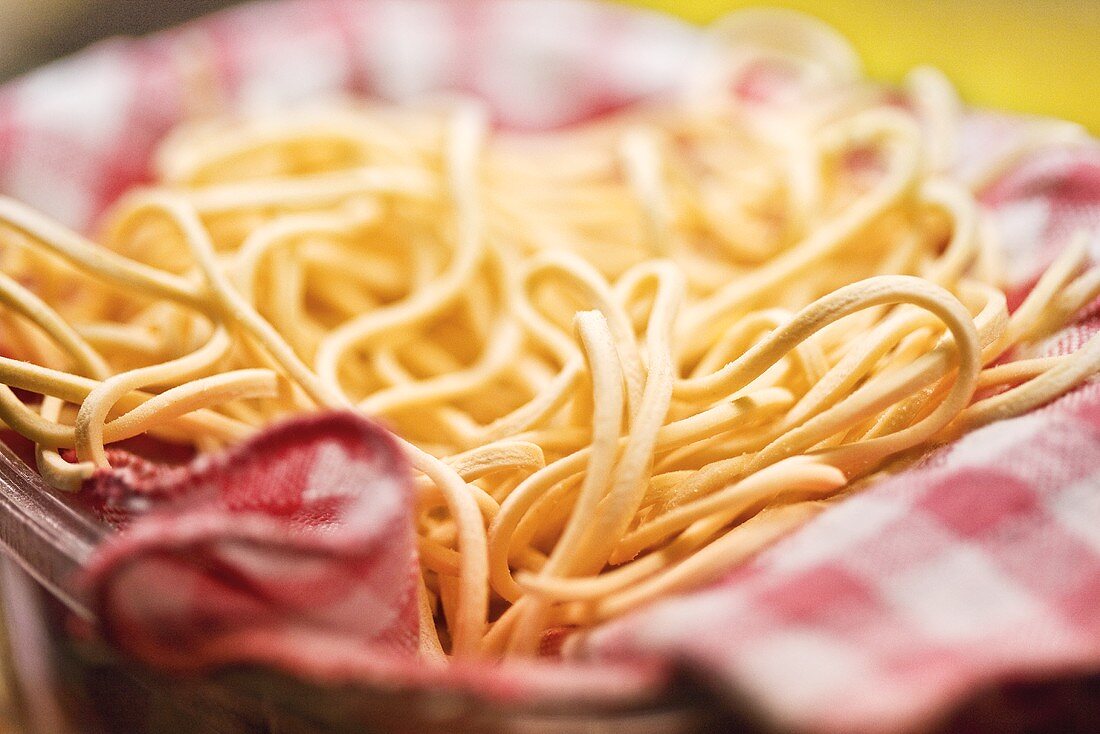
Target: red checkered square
[1002,498]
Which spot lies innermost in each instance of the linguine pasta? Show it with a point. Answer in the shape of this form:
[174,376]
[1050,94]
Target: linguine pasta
[621,358]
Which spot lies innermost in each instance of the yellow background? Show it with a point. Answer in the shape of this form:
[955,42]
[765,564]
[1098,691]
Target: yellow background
[1041,56]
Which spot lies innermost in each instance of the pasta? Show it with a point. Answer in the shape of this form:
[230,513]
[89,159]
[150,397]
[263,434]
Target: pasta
[621,358]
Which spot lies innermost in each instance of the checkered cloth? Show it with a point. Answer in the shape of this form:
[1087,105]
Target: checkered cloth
[295,545]
[963,593]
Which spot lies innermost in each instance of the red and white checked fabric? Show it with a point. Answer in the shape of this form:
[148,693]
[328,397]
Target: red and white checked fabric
[288,547]
[977,571]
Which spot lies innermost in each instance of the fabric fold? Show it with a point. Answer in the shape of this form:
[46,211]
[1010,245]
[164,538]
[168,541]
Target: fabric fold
[294,544]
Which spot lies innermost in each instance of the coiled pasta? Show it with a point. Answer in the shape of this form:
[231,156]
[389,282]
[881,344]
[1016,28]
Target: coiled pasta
[620,357]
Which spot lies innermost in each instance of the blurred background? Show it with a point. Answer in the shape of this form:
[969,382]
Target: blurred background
[1040,56]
